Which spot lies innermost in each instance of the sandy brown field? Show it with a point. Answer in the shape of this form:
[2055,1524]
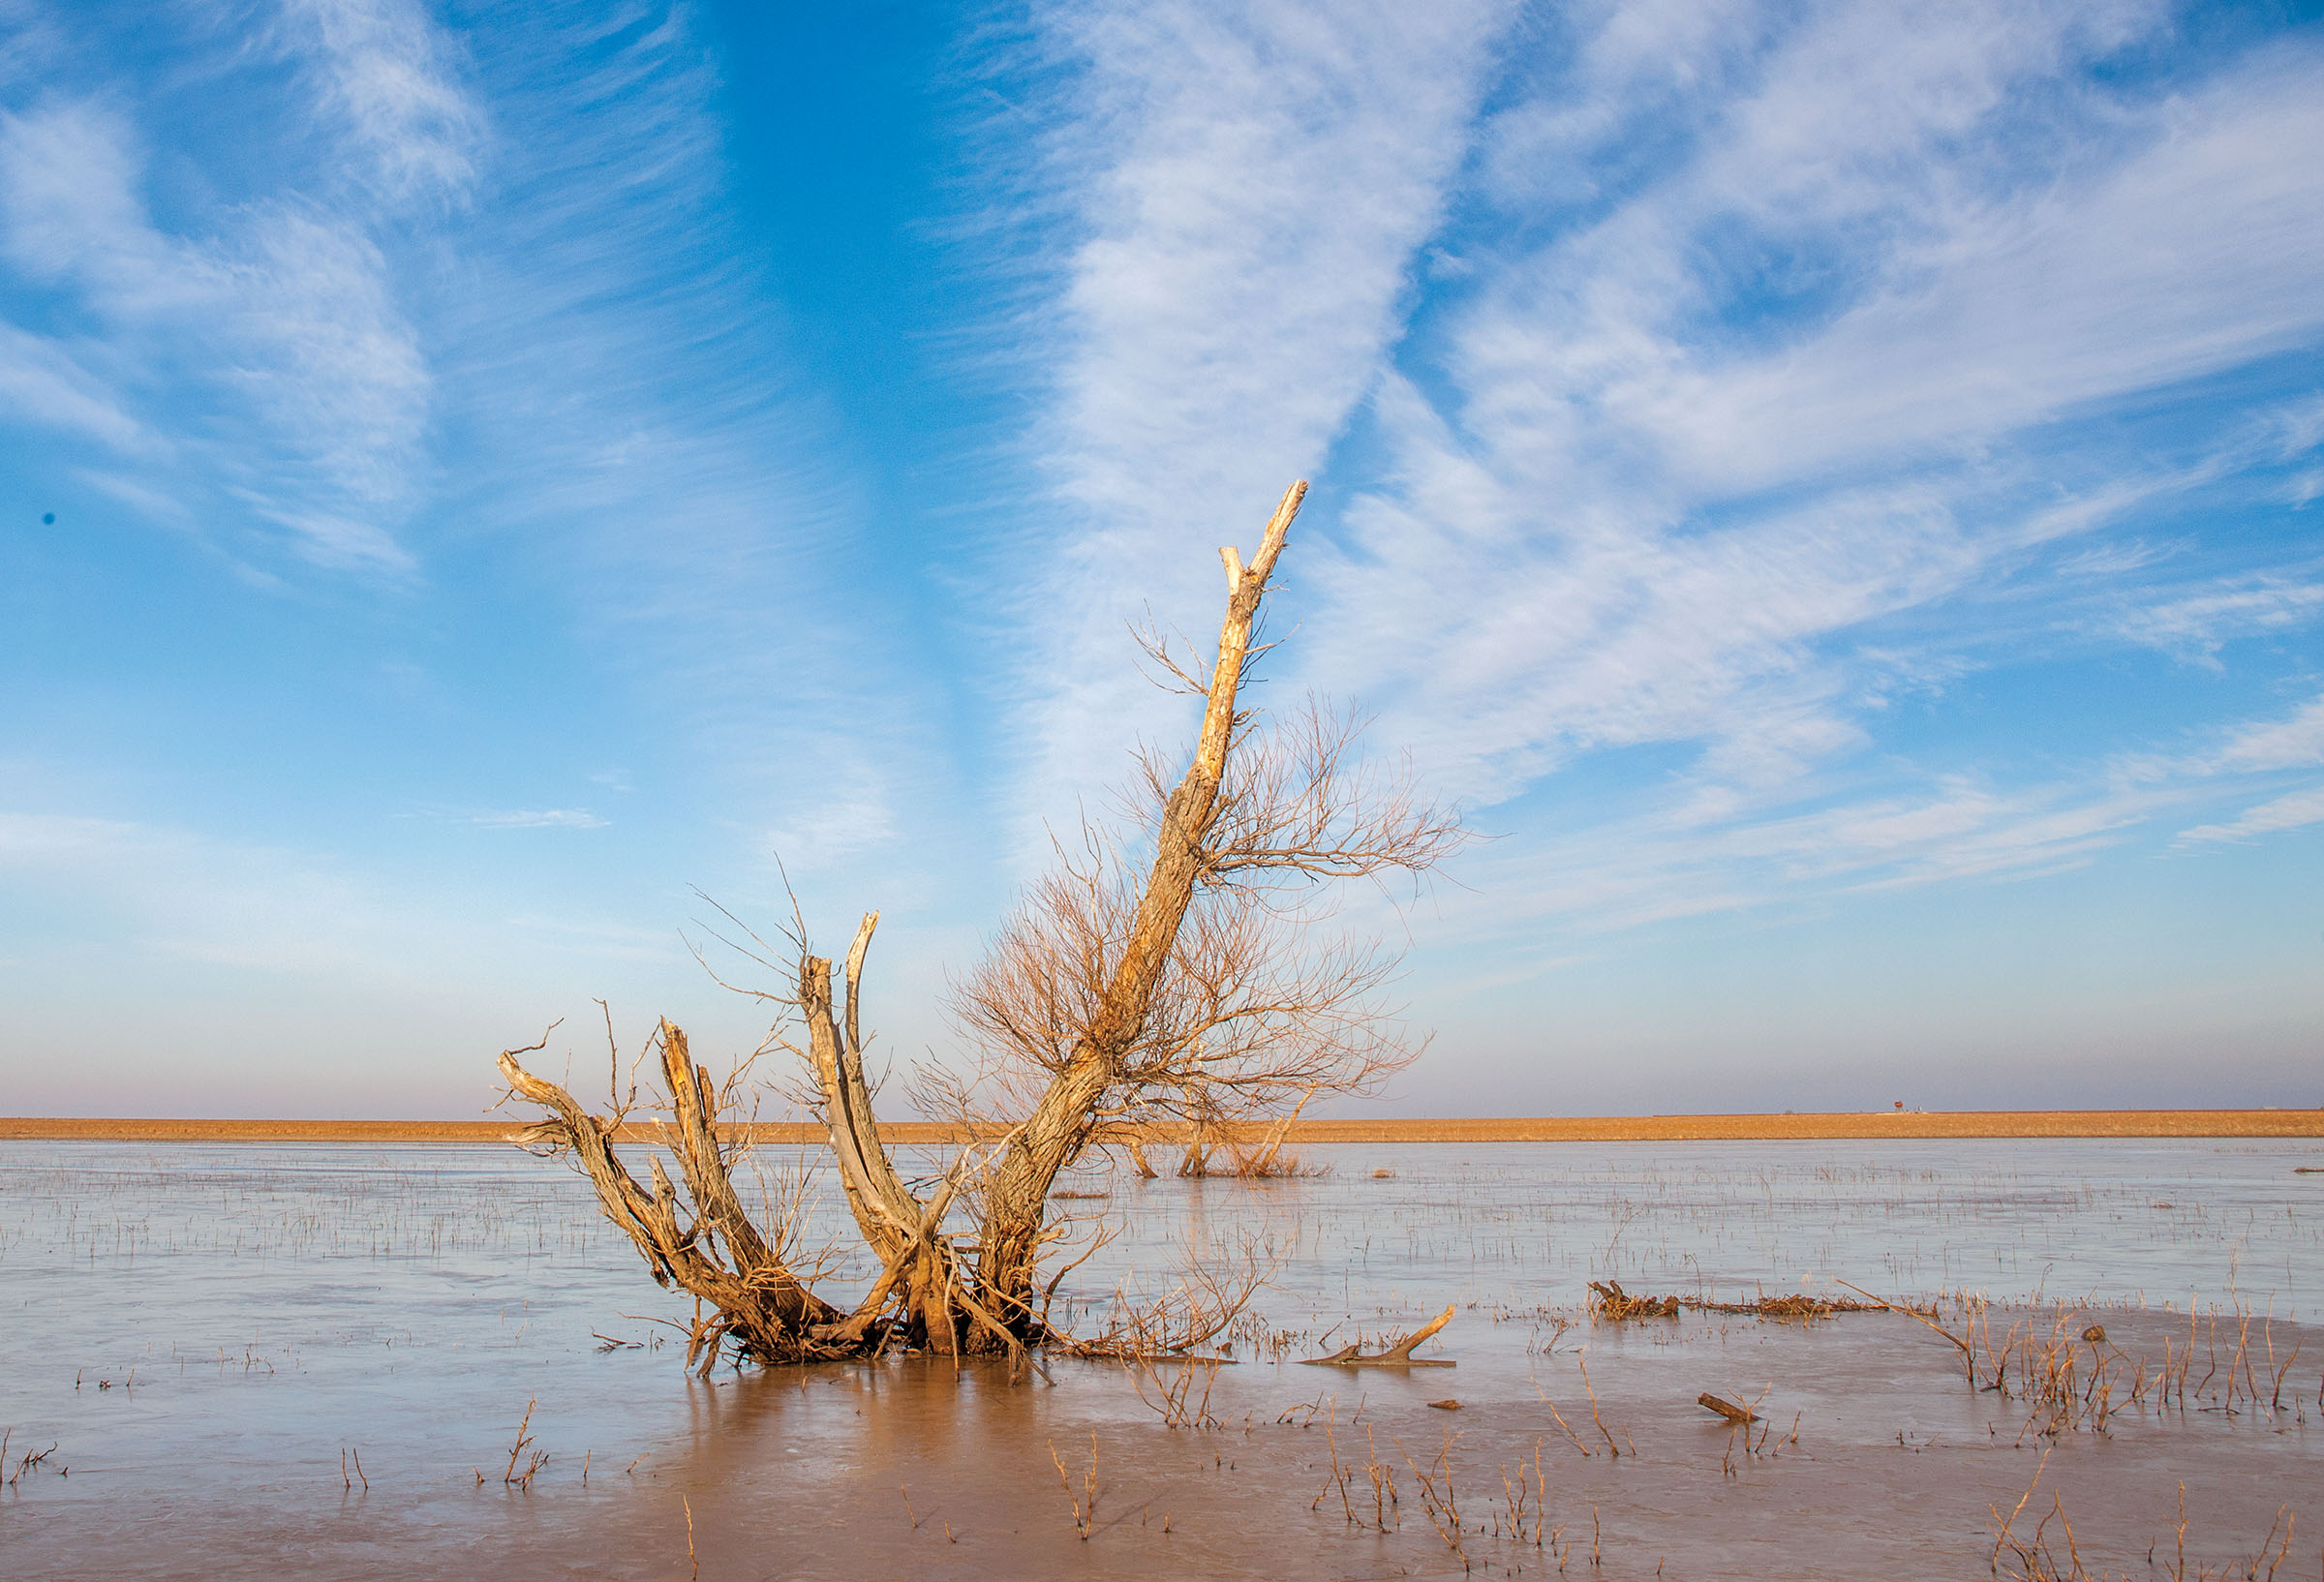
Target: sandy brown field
[1965,1123]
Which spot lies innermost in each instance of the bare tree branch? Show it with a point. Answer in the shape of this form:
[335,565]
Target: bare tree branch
[1176,965]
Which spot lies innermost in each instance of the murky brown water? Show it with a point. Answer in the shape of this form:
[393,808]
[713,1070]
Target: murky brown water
[281,1305]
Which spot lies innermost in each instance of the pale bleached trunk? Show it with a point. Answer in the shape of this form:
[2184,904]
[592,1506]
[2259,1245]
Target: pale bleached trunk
[885,1211]
[904,1231]
[758,1303]
[1059,1127]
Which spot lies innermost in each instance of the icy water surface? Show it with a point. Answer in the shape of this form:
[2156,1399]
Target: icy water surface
[203,1331]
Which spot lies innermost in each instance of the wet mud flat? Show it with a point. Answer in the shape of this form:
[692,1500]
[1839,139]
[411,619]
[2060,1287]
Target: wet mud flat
[1875,1458]
[211,1342]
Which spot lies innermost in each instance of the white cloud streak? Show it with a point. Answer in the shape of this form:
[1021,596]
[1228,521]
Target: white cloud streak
[257,367]
[491,280]
[1596,379]
[1248,186]
[540,819]
[2179,261]
[390,79]
[42,384]
[2196,624]
[1252,182]
[1683,471]
[1652,869]
[1674,858]
[2294,743]
[640,441]
[2297,811]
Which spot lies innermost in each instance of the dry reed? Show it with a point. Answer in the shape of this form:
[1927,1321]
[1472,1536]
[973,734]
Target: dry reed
[1084,1503]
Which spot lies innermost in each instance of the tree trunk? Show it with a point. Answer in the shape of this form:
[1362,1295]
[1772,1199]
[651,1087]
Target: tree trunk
[759,1303]
[1292,811]
[1061,1123]
[895,1223]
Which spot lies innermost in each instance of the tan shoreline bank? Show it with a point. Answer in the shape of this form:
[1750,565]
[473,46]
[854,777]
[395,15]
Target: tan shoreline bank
[1770,1128]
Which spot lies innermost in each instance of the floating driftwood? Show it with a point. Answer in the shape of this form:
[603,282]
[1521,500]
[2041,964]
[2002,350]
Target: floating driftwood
[1398,1355]
[1800,1306]
[1613,1304]
[1725,1408]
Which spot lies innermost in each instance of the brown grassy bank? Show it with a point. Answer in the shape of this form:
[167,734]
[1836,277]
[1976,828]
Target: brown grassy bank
[1967,1123]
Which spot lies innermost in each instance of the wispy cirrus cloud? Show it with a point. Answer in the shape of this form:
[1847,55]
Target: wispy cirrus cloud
[1603,406]
[249,362]
[1227,298]
[1712,512]
[638,438]
[1238,196]
[2007,304]
[1669,856]
[2292,742]
[389,79]
[1766,372]
[539,818]
[2294,811]
[443,290]
[2256,752]
[2195,623]
[42,384]
[1655,867]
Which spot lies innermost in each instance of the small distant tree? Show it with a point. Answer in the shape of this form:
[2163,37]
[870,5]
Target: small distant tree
[1176,965]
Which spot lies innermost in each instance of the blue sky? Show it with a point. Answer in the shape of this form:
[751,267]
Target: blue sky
[1832,488]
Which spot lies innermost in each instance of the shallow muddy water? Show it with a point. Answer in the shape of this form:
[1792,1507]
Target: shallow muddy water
[201,1332]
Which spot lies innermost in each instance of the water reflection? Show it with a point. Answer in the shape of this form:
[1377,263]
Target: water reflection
[203,1331]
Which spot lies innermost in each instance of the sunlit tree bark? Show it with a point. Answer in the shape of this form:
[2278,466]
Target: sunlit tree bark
[1178,966]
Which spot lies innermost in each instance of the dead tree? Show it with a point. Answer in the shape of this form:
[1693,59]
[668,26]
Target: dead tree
[707,1245]
[756,1298]
[1174,968]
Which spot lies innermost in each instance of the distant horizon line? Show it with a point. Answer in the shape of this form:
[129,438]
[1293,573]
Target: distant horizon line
[1732,1126]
